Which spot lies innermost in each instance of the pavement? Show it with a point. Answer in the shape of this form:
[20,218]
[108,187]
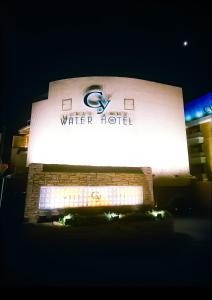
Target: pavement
[198,228]
[44,255]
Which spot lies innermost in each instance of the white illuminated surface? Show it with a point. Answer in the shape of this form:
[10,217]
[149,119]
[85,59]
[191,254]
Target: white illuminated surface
[157,138]
[53,197]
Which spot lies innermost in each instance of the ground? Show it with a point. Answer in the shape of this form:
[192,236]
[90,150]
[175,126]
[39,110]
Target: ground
[46,255]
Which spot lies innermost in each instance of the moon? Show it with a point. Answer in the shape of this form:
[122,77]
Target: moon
[185,43]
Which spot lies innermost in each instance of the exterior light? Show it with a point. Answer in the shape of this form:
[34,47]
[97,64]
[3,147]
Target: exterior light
[188,118]
[110,216]
[199,114]
[155,213]
[62,220]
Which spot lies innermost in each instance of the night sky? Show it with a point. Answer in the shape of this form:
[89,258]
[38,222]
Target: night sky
[43,43]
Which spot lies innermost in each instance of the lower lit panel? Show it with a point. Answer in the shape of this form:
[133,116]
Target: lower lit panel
[87,196]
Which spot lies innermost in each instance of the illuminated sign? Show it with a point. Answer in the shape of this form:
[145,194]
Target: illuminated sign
[84,119]
[208,109]
[97,101]
[53,197]
[198,108]
[142,125]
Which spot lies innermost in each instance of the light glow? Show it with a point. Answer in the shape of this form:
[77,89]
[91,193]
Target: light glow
[53,197]
[199,107]
[62,220]
[155,213]
[110,216]
[199,114]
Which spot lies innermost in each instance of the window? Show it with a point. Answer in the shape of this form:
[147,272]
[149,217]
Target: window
[66,104]
[129,104]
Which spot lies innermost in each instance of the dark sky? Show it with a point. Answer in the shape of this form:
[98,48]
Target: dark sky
[42,43]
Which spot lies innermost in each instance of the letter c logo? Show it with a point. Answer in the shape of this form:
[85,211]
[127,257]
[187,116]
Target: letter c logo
[96,100]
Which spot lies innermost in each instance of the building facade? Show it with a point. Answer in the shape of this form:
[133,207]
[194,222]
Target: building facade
[19,150]
[110,121]
[102,141]
[198,116]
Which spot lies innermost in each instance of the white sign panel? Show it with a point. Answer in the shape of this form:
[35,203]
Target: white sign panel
[110,121]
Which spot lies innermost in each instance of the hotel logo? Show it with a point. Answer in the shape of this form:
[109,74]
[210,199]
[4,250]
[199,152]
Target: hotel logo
[96,100]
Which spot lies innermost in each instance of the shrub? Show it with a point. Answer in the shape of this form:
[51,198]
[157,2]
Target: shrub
[158,214]
[111,216]
[80,220]
[67,219]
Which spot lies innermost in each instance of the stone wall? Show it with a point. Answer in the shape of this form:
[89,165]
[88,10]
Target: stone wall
[89,177]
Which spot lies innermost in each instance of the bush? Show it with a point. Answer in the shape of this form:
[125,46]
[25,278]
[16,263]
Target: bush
[84,220]
[159,214]
[80,220]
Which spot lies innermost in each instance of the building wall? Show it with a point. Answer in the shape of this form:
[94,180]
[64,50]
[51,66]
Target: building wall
[202,192]
[198,116]
[199,133]
[19,150]
[37,177]
[18,160]
[206,129]
[20,141]
[155,136]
